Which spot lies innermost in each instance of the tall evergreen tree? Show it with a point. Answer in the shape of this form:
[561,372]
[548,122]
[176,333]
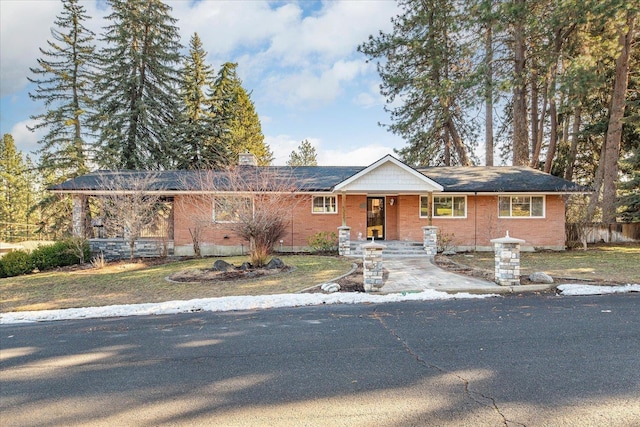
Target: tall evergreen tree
[232,108]
[305,155]
[63,79]
[425,66]
[15,191]
[137,86]
[198,134]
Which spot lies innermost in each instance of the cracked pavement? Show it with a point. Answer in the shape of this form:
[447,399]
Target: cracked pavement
[521,360]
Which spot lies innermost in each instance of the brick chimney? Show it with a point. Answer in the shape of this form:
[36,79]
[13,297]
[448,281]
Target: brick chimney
[247,159]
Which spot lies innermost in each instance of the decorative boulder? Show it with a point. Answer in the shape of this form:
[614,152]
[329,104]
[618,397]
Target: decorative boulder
[221,265]
[246,266]
[330,287]
[540,277]
[274,264]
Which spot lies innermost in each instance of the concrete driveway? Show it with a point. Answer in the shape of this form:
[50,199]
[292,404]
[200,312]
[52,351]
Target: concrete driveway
[416,274]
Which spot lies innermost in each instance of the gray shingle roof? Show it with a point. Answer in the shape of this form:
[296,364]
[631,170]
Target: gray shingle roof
[325,178]
[490,179]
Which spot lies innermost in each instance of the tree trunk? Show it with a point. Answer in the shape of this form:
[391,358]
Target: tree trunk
[535,152]
[614,130]
[520,133]
[573,150]
[539,124]
[553,134]
[597,186]
[488,94]
[461,150]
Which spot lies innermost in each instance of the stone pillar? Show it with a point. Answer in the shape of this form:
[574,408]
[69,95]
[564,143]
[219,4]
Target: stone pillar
[430,239]
[78,215]
[507,260]
[344,240]
[372,264]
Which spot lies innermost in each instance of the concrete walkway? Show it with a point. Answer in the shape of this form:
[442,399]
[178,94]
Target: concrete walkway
[420,273]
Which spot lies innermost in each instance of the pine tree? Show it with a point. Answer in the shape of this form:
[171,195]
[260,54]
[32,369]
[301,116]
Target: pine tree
[137,85]
[64,84]
[15,191]
[198,132]
[305,155]
[425,69]
[232,107]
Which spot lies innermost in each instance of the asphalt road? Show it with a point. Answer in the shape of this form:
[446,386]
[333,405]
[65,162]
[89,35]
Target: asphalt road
[534,360]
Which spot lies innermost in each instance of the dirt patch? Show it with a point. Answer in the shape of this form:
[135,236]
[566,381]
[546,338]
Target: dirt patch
[448,264]
[206,275]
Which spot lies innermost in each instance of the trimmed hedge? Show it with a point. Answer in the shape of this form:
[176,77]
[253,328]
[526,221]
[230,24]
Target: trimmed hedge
[43,258]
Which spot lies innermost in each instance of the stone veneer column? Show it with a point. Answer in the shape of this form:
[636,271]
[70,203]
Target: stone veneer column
[430,239]
[78,215]
[372,266]
[344,240]
[507,260]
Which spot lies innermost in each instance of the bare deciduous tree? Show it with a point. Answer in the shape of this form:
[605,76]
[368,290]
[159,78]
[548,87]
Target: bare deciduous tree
[131,202]
[254,202]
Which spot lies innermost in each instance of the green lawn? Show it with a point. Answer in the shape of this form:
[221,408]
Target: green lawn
[137,282]
[601,263]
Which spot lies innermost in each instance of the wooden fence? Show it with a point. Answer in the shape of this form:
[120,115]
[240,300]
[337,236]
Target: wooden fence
[608,233]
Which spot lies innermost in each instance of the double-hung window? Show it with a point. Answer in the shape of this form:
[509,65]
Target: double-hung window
[521,206]
[324,204]
[444,206]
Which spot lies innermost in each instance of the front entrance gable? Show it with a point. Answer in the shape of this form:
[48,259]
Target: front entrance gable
[388,175]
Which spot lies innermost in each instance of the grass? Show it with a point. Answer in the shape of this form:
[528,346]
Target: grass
[619,263]
[139,282]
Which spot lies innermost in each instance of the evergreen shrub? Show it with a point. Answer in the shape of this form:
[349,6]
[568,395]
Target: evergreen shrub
[323,242]
[17,263]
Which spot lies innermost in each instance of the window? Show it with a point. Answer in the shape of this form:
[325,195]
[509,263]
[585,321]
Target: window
[521,206]
[444,206]
[324,204]
[229,209]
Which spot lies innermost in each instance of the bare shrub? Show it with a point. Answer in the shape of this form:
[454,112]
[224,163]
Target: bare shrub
[254,202]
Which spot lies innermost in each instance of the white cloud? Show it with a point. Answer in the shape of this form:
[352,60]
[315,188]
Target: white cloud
[361,156]
[225,26]
[24,27]
[283,145]
[26,141]
[308,88]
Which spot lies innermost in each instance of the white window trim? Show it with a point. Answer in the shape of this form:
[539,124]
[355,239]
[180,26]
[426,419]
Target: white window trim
[335,199]
[213,209]
[511,196]
[433,207]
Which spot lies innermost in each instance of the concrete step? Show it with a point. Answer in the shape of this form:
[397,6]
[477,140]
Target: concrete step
[394,248]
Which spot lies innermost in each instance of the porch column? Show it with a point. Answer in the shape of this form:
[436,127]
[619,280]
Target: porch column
[78,215]
[344,209]
[507,260]
[430,239]
[344,240]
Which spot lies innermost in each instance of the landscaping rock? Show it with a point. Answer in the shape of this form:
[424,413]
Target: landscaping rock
[274,264]
[221,265]
[540,277]
[330,287]
[246,266]
[449,252]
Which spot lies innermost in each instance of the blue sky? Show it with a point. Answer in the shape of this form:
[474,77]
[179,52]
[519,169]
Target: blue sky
[298,59]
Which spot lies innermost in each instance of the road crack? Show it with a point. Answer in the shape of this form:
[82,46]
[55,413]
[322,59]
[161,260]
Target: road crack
[472,395]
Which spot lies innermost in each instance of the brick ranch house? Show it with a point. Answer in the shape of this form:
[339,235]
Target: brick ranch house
[387,200]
